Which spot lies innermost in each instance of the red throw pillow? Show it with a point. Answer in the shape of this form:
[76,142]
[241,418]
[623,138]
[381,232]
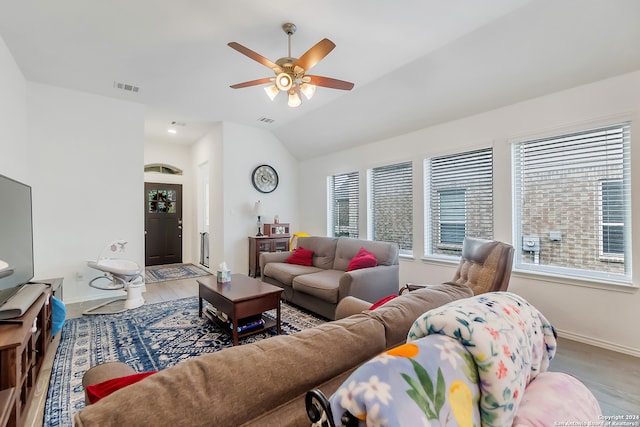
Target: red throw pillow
[363,259]
[382,301]
[301,256]
[96,392]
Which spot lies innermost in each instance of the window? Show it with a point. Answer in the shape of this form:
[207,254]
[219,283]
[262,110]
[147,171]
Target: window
[343,205]
[572,197]
[453,222]
[458,199]
[612,219]
[162,168]
[391,205]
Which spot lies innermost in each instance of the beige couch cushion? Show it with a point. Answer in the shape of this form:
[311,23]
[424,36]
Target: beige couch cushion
[238,384]
[399,314]
[285,273]
[346,249]
[293,413]
[323,285]
[324,249]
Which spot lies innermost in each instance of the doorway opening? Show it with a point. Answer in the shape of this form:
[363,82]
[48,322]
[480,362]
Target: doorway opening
[163,223]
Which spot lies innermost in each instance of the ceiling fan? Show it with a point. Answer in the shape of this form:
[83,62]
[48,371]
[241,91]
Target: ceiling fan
[290,73]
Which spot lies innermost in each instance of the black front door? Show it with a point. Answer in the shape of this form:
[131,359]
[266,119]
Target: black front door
[162,223]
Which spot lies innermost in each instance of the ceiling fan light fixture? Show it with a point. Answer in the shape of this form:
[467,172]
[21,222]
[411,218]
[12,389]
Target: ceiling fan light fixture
[284,81]
[272,91]
[308,90]
[290,71]
[294,99]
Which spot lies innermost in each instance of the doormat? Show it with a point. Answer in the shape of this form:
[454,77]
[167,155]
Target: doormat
[147,338]
[163,273]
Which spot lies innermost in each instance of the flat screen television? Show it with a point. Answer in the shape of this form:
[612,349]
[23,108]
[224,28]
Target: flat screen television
[16,237]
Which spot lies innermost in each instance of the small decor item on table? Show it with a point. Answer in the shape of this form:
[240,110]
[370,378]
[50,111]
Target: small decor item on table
[224,274]
[276,229]
[257,208]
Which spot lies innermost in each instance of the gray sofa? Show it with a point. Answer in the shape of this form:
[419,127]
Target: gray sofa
[320,287]
[263,383]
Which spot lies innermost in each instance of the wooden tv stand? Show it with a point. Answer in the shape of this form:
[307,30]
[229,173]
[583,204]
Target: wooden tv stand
[21,355]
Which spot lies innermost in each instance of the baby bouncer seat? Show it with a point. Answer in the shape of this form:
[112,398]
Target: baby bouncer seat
[119,274]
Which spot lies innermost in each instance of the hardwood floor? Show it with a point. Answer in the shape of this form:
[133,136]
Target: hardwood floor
[614,378]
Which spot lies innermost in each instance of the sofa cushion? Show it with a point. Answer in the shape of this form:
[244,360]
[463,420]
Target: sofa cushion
[363,259]
[103,389]
[235,385]
[323,285]
[554,396]
[399,314]
[301,256]
[324,249]
[294,413]
[346,248]
[285,273]
[418,383]
[383,301]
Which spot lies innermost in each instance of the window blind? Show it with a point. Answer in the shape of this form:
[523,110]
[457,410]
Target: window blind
[572,192]
[344,205]
[391,205]
[459,196]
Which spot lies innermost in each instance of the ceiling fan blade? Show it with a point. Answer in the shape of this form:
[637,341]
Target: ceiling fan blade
[329,82]
[253,83]
[315,54]
[255,56]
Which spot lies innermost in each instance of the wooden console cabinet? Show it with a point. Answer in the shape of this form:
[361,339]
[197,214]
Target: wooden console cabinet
[260,244]
[22,352]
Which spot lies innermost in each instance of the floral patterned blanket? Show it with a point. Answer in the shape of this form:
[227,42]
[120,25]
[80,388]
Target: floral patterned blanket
[466,363]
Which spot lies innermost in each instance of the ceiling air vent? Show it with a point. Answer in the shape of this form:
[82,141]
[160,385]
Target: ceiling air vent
[126,86]
[266,120]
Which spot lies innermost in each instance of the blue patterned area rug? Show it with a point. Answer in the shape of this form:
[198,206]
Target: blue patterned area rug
[151,337]
[163,273]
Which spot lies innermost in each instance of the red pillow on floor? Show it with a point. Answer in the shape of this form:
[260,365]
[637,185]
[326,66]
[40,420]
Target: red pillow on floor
[363,259]
[96,392]
[301,256]
[382,301]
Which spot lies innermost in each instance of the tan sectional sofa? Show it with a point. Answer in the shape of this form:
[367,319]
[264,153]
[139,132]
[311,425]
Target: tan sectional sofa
[264,383]
[320,287]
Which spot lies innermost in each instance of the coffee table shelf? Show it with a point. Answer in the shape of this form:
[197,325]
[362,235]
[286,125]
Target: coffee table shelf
[268,323]
[239,299]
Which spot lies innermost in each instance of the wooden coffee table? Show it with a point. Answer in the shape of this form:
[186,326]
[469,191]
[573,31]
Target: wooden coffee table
[239,299]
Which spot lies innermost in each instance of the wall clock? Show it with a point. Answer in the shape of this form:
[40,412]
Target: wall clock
[264,178]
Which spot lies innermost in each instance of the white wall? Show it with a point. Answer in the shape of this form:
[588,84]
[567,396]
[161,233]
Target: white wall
[180,157]
[209,150]
[13,118]
[245,148]
[86,169]
[602,315]
[233,151]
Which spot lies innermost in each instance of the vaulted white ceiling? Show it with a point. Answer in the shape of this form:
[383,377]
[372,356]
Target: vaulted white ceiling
[414,63]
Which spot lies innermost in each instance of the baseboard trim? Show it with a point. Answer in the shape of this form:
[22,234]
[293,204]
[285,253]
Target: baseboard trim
[102,295]
[599,343]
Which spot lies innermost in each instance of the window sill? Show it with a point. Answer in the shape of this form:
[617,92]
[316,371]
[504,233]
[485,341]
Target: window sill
[584,283]
[441,260]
